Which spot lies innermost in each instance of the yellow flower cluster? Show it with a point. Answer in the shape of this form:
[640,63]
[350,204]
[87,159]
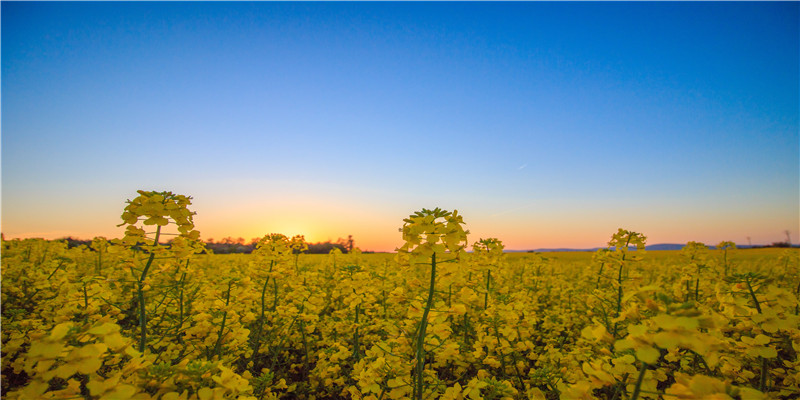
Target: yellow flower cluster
[160,209]
[488,251]
[430,232]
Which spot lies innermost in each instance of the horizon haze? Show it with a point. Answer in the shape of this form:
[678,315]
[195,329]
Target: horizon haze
[545,124]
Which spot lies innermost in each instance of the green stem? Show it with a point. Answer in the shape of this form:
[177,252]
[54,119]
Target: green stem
[449,295]
[619,299]
[466,329]
[638,388]
[599,275]
[356,351]
[140,295]
[58,267]
[383,285]
[499,353]
[305,344]
[764,367]
[519,375]
[420,354]
[275,298]
[218,345]
[797,307]
[753,295]
[486,295]
[697,288]
[619,289]
[182,284]
[152,255]
[688,292]
[85,299]
[725,261]
[620,387]
[257,340]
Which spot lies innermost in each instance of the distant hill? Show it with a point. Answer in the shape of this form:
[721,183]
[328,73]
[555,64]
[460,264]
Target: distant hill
[654,247]
[666,246]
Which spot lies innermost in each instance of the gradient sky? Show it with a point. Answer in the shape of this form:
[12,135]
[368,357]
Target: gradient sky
[544,124]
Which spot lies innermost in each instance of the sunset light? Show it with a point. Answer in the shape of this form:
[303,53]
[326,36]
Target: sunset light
[280,200]
[546,124]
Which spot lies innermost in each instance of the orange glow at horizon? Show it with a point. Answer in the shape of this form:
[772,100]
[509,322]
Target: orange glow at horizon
[387,239]
[374,227]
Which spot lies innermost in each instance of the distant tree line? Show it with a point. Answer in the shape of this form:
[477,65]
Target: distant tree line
[230,245]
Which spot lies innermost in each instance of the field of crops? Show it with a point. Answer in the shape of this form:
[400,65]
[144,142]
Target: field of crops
[139,319]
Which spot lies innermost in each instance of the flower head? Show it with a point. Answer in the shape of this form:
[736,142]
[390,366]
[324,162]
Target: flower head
[430,232]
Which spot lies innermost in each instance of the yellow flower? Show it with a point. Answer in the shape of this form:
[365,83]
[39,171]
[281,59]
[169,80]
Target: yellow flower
[430,232]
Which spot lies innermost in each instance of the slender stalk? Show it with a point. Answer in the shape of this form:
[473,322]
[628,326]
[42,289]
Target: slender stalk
[619,289]
[182,284]
[486,295]
[420,384]
[688,291]
[725,261]
[275,298]
[519,375]
[44,257]
[305,344]
[599,275]
[140,295]
[85,298]
[763,379]
[499,353]
[449,294]
[620,387]
[697,287]
[218,345]
[356,351]
[257,340]
[753,295]
[638,388]
[797,307]
[58,267]
[466,329]
[383,285]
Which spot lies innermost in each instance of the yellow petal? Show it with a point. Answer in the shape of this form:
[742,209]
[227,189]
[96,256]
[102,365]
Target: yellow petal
[761,340]
[205,393]
[60,330]
[667,339]
[647,354]
[89,366]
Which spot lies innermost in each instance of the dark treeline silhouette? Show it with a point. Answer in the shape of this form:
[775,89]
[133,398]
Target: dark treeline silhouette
[72,242]
[230,245]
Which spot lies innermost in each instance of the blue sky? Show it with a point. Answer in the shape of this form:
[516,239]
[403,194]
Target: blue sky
[544,124]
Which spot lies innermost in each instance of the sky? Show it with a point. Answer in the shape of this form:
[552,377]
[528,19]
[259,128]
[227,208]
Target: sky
[543,124]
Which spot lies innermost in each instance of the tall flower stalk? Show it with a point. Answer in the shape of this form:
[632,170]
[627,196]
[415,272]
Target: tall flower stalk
[488,253]
[158,209]
[620,243]
[272,251]
[428,234]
